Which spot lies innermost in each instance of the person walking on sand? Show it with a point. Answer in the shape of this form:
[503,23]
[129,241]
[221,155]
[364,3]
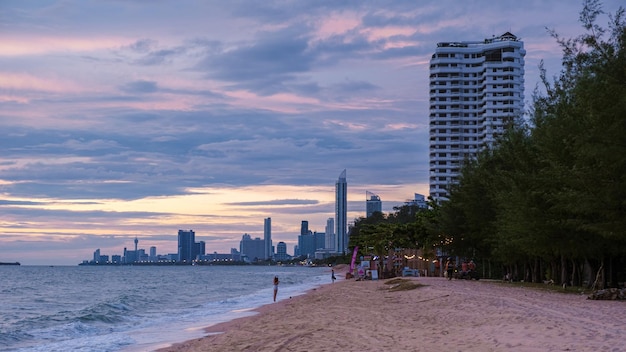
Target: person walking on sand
[449,268]
[275,287]
[332,277]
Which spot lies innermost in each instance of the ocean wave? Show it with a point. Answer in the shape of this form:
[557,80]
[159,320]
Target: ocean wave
[135,306]
[114,311]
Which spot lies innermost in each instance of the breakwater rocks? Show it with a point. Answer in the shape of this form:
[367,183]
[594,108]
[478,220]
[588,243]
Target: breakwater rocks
[609,294]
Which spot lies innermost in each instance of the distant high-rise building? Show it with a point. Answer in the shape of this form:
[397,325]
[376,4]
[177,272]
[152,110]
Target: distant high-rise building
[476,91]
[304,227]
[235,255]
[254,249]
[130,256]
[153,254]
[330,234]
[96,255]
[320,240]
[281,251]
[341,213]
[267,238]
[308,244]
[372,204]
[199,249]
[419,201]
[186,246]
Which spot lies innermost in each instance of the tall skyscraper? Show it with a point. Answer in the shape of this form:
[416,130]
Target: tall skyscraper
[186,246]
[476,91]
[372,204]
[153,254]
[341,213]
[267,238]
[330,234]
[304,227]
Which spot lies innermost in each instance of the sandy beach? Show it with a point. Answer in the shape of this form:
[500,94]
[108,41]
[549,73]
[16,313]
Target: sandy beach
[441,315]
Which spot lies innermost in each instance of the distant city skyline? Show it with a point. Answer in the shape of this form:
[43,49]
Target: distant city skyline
[253,249]
[215,115]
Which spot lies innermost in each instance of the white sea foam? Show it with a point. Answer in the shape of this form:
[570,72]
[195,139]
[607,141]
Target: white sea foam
[134,308]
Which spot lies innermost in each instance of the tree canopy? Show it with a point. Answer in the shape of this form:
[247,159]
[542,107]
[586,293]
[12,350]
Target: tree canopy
[549,198]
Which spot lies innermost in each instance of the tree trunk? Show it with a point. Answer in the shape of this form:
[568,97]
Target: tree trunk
[598,284]
[553,270]
[563,280]
[574,276]
[537,270]
[611,279]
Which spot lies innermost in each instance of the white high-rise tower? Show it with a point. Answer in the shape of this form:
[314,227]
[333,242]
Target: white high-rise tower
[476,91]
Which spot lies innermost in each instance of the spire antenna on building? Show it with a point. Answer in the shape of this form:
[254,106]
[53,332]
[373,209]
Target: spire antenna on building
[136,243]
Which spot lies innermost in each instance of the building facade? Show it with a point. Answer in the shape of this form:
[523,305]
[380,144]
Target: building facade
[304,227]
[153,254]
[419,201]
[476,91]
[341,213]
[252,249]
[267,238]
[186,246]
[311,242]
[372,204]
[281,251]
[330,234]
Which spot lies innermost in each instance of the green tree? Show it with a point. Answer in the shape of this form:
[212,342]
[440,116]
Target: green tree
[580,132]
[551,196]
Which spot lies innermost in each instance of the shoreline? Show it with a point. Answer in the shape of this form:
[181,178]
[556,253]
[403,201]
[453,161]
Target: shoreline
[456,315]
[216,330]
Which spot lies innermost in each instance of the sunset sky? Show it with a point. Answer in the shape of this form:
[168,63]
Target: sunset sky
[139,118]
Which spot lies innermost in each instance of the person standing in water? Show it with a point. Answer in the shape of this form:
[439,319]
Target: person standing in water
[332,276]
[275,287]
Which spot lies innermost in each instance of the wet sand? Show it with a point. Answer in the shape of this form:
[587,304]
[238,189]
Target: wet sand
[441,315]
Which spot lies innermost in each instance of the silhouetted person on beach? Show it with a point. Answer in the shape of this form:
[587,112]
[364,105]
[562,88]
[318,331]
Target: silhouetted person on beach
[275,287]
[450,268]
[333,276]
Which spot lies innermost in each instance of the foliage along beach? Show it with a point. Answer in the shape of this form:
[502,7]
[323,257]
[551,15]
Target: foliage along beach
[548,202]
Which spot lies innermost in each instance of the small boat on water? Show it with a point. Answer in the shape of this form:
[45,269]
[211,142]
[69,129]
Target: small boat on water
[14,263]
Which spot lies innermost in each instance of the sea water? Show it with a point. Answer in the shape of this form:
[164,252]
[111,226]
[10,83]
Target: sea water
[133,308]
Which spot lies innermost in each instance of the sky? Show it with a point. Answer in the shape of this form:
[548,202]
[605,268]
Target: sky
[123,119]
